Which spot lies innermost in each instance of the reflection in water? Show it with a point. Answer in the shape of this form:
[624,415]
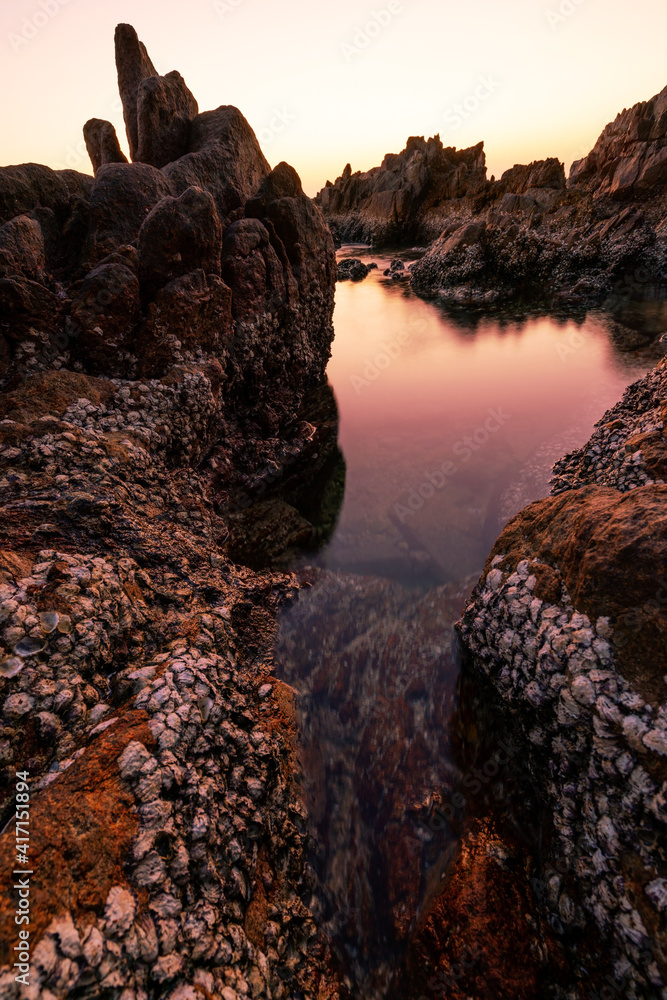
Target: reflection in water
[447,429]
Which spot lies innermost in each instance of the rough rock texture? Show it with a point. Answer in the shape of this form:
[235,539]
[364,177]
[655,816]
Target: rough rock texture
[102,143]
[568,623]
[402,199]
[629,160]
[133,65]
[528,237]
[144,402]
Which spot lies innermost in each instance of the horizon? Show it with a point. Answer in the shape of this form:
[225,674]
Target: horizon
[320,97]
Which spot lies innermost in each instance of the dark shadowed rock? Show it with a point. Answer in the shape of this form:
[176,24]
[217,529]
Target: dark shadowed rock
[133,65]
[352,269]
[193,311]
[122,197]
[224,158]
[299,226]
[102,143]
[105,311]
[252,270]
[22,248]
[28,310]
[165,110]
[29,186]
[178,236]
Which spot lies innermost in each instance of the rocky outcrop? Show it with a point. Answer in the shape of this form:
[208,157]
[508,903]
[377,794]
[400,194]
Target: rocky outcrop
[568,623]
[161,364]
[102,143]
[629,160]
[530,238]
[404,199]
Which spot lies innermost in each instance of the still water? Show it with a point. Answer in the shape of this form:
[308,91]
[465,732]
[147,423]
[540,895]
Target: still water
[449,425]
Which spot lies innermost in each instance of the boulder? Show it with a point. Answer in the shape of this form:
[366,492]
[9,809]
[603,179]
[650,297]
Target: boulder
[102,143]
[352,269]
[22,248]
[165,110]
[30,186]
[178,236]
[122,197]
[28,310]
[104,313]
[133,65]
[224,158]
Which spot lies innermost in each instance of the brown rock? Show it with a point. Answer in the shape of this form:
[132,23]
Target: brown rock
[224,159]
[122,197]
[481,937]
[194,311]
[104,313]
[252,270]
[22,248]
[165,110]
[81,831]
[28,309]
[52,392]
[102,143]
[133,65]
[180,235]
[609,548]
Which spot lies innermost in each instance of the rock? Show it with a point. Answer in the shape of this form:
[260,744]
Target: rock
[122,197]
[180,235]
[629,158]
[105,311]
[165,111]
[402,199]
[224,158]
[252,269]
[29,311]
[194,311]
[133,66]
[102,143]
[119,911]
[22,248]
[352,269]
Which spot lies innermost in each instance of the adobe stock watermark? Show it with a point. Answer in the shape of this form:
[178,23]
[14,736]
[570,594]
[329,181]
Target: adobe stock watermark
[281,118]
[458,113]
[389,351]
[223,7]
[465,449]
[365,33]
[32,25]
[558,15]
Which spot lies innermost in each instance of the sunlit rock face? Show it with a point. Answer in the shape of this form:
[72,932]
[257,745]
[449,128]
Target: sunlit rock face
[161,326]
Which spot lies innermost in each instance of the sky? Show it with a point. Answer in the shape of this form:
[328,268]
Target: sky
[327,83]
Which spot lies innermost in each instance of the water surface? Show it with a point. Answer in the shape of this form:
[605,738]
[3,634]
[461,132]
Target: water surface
[449,424]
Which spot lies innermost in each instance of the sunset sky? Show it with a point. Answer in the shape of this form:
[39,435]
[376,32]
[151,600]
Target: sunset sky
[325,83]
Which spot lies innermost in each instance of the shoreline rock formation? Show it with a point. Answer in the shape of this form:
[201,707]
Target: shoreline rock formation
[568,624]
[597,238]
[164,332]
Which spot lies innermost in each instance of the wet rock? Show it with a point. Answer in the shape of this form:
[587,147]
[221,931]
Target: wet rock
[352,269]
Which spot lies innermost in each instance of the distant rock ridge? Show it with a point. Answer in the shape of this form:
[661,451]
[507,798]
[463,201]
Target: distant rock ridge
[597,238]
